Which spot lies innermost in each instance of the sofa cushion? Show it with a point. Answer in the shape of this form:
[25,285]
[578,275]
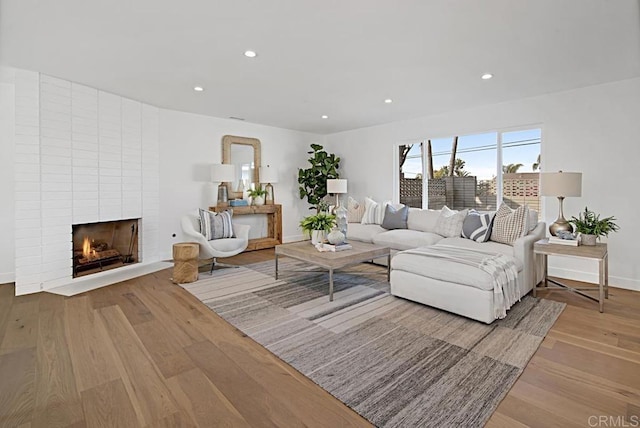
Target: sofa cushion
[373,211]
[395,218]
[405,239]
[355,211]
[489,247]
[444,269]
[450,222]
[422,220]
[477,226]
[509,225]
[363,232]
[215,225]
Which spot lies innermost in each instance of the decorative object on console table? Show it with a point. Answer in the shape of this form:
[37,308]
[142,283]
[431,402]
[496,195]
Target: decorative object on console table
[257,195]
[221,173]
[269,176]
[591,227]
[560,184]
[238,203]
[274,224]
[338,187]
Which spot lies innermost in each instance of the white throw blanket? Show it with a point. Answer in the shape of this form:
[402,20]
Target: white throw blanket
[502,269]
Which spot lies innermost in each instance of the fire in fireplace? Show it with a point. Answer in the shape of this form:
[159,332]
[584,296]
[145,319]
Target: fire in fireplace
[103,246]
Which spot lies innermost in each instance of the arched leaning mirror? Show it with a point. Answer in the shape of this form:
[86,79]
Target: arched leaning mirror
[245,154]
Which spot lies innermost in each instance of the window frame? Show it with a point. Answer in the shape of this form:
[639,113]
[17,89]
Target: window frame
[499,174]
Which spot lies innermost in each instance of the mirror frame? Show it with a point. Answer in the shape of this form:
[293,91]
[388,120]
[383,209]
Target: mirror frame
[227,141]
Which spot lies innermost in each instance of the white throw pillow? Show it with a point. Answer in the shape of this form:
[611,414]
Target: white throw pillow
[374,211]
[450,222]
[355,211]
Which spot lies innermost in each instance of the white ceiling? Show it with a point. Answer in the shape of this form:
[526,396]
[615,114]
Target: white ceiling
[336,57]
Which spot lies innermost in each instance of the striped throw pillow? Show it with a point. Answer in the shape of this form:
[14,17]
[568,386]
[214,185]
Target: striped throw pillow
[508,225]
[373,211]
[216,225]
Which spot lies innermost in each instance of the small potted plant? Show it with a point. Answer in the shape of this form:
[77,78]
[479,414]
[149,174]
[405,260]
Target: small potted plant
[317,226]
[591,227]
[257,195]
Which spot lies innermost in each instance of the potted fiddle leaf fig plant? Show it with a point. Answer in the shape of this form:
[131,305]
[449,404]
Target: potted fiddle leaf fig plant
[591,227]
[317,226]
[313,180]
[257,195]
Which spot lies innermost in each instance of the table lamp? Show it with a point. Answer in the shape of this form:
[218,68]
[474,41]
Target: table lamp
[560,184]
[223,173]
[337,187]
[269,176]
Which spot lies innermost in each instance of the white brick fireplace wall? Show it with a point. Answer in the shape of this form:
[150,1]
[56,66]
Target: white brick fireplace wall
[81,156]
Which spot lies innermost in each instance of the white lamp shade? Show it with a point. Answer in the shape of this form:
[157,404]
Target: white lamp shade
[268,174]
[222,172]
[337,186]
[561,184]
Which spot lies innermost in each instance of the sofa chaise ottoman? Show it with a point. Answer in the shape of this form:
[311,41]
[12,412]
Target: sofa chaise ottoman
[460,288]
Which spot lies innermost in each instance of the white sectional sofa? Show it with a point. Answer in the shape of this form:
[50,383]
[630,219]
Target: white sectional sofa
[443,283]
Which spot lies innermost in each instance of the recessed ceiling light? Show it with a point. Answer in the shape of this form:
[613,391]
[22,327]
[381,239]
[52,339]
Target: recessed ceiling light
[388,101]
[250,54]
[198,88]
[487,76]
[324,116]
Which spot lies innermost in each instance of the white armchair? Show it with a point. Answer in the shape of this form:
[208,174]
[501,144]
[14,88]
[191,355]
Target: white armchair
[226,247]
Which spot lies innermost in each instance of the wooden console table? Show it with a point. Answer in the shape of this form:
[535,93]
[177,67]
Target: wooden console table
[274,224]
[597,252]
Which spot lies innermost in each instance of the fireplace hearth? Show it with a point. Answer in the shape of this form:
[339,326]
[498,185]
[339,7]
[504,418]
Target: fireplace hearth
[102,246]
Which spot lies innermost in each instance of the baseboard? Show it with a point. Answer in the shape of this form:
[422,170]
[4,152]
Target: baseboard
[592,277]
[28,289]
[7,277]
[102,279]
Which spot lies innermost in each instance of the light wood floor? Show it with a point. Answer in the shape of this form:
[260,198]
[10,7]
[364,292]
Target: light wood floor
[146,353]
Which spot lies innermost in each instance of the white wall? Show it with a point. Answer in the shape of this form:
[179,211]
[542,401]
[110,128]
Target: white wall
[190,143]
[70,154]
[595,130]
[7,126]
[184,145]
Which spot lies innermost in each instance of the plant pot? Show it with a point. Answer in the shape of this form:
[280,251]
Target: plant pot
[318,236]
[258,200]
[588,239]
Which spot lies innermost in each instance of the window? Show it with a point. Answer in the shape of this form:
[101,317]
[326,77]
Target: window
[410,171]
[462,171]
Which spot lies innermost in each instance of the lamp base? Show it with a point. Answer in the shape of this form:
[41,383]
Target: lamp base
[223,196]
[560,225]
[270,197]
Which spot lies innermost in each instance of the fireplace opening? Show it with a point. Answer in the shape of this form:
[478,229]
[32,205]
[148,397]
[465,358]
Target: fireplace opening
[102,246]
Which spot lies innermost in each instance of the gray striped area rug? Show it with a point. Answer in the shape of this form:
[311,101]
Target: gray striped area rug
[395,362]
